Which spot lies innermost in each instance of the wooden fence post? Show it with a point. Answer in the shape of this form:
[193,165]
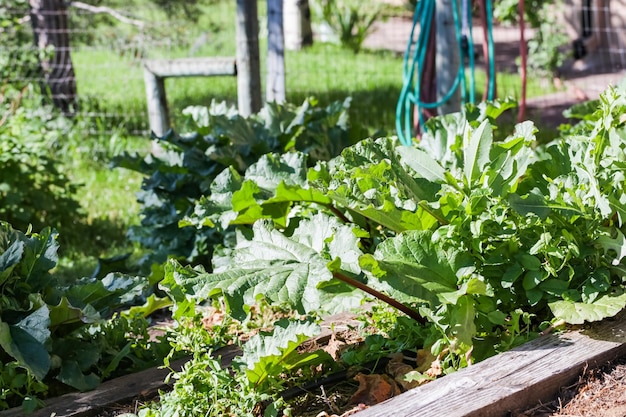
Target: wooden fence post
[158,114]
[248,72]
[275,88]
[49,20]
[298,33]
[447,58]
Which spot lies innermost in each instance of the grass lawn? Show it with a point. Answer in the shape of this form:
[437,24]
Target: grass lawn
[372,78]
[109,207]
[324,71]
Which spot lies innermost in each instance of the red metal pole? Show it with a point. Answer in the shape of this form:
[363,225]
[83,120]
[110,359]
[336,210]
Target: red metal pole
[524,57]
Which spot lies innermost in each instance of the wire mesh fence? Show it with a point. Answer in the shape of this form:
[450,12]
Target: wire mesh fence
[109,43]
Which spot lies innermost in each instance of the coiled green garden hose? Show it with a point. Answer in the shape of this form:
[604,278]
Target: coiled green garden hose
[414,62]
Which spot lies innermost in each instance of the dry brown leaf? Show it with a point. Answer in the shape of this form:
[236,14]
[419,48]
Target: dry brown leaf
[424,360]
[213,317]
[398,370]
[435,369]
[335,347]
[374,389]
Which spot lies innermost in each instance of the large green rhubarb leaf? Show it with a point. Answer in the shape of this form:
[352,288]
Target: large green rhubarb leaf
[40,257]
[65,313]
[268,355]
[216,209]
[284,269]
[371,179]
[411,268]
[605,306]
[9,259]
[296,193]
[70,374]
[36,324]
[25,342]
[267,190]
[98,297]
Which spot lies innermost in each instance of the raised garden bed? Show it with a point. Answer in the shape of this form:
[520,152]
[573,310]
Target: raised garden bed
[514,380]
[510,382]
[144,384]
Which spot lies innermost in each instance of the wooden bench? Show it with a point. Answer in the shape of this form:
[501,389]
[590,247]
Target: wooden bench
[156,70]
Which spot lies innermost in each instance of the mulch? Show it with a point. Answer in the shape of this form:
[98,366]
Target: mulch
[599,392]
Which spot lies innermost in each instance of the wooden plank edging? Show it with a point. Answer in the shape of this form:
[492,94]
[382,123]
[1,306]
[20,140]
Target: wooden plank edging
[510,381]
[148,382]
[115,391]
[513,380]
[191,67]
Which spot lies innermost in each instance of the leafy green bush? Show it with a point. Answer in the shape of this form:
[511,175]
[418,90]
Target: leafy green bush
[351,21]
[55,336]
[184,167]
[483,241]
[18,59]
[33,189]
[547,49]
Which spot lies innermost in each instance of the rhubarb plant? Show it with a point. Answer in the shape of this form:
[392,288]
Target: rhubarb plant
[252,385]
[482,239]
[185,166]
[59,335]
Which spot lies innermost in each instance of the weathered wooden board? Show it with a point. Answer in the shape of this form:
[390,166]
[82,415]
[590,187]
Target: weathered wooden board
[513,380]
[155,72]
[191,67]
[116,391]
